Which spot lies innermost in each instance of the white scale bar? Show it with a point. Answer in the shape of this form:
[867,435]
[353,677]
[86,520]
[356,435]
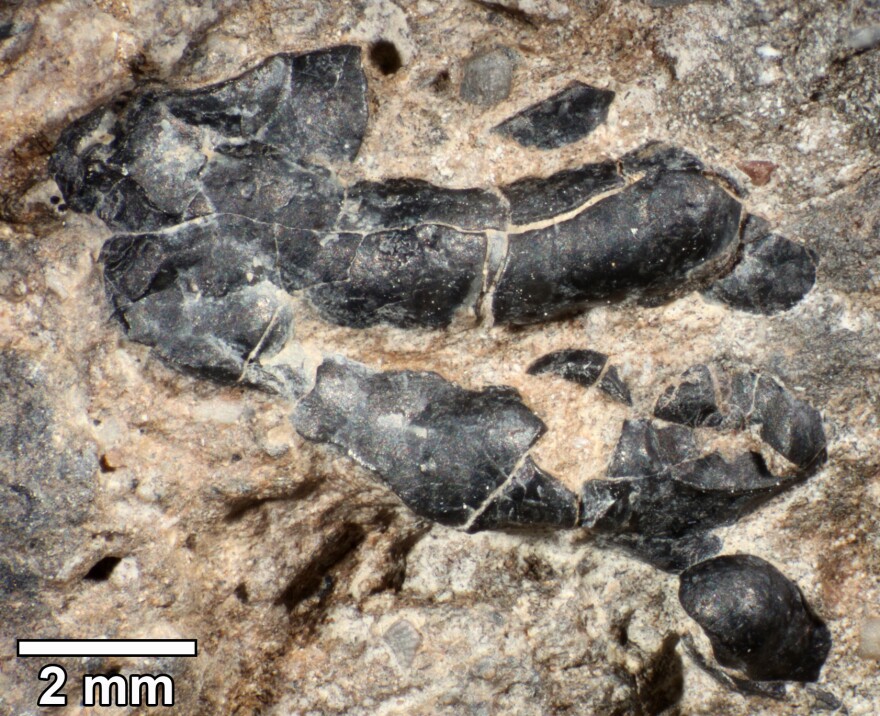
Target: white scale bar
[107,647]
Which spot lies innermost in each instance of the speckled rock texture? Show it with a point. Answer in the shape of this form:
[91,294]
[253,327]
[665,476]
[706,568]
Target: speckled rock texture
[142,501]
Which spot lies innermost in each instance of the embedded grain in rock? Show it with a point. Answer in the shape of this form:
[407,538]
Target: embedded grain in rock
[487,76]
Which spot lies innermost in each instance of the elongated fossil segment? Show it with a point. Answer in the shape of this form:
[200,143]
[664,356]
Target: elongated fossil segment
[404,203]
[452,455]
[645,240]
[406,277]
[540,198]
[247,143]
[560,119]
[662,499]
[756,618]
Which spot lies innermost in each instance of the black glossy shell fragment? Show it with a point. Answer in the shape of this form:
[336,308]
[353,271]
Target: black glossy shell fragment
[531,498]
[756,618]
[246,141]
[660,491]
[406,277]
[403,203]
[653,156]
[561,119]
[773,275]
[789,425]
[645,239]
[692,402]
[614,386]
[584,367]
[644,449]
[540,198]
[580,366]
[204,294]
[444,450]
[261,182]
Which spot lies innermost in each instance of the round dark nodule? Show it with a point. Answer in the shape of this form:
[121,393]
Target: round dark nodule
[756,618]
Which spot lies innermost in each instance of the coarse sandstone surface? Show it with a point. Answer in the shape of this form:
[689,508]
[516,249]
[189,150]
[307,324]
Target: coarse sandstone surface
[310,588]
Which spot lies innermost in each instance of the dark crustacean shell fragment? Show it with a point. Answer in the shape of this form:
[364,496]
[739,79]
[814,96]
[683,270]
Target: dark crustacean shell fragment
[607,251]
[614,386]
[402,203]
[662,500]
[560,119]
[756,618]
[452,455]
[141,167]
[406,277]
[580,366]
[692,402]
[773,275]
[790,426]
[584,367]
[227,199]
[541,198]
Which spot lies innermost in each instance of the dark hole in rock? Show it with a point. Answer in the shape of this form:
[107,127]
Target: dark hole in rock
[55,199]
[440,83]
[620,629]
[105,465]
[312,580]
[241,593]
[235,457]
[663,686]
[102,569]
[385,56]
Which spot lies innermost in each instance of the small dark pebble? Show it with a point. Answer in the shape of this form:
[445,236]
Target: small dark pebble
[756,618]
[561,119]
[488,76]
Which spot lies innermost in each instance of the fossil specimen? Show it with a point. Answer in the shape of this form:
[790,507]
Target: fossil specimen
[584,367]
[225,202]
[756,618]
[567,116]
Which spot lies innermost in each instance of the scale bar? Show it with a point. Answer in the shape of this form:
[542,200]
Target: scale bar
[107,647]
